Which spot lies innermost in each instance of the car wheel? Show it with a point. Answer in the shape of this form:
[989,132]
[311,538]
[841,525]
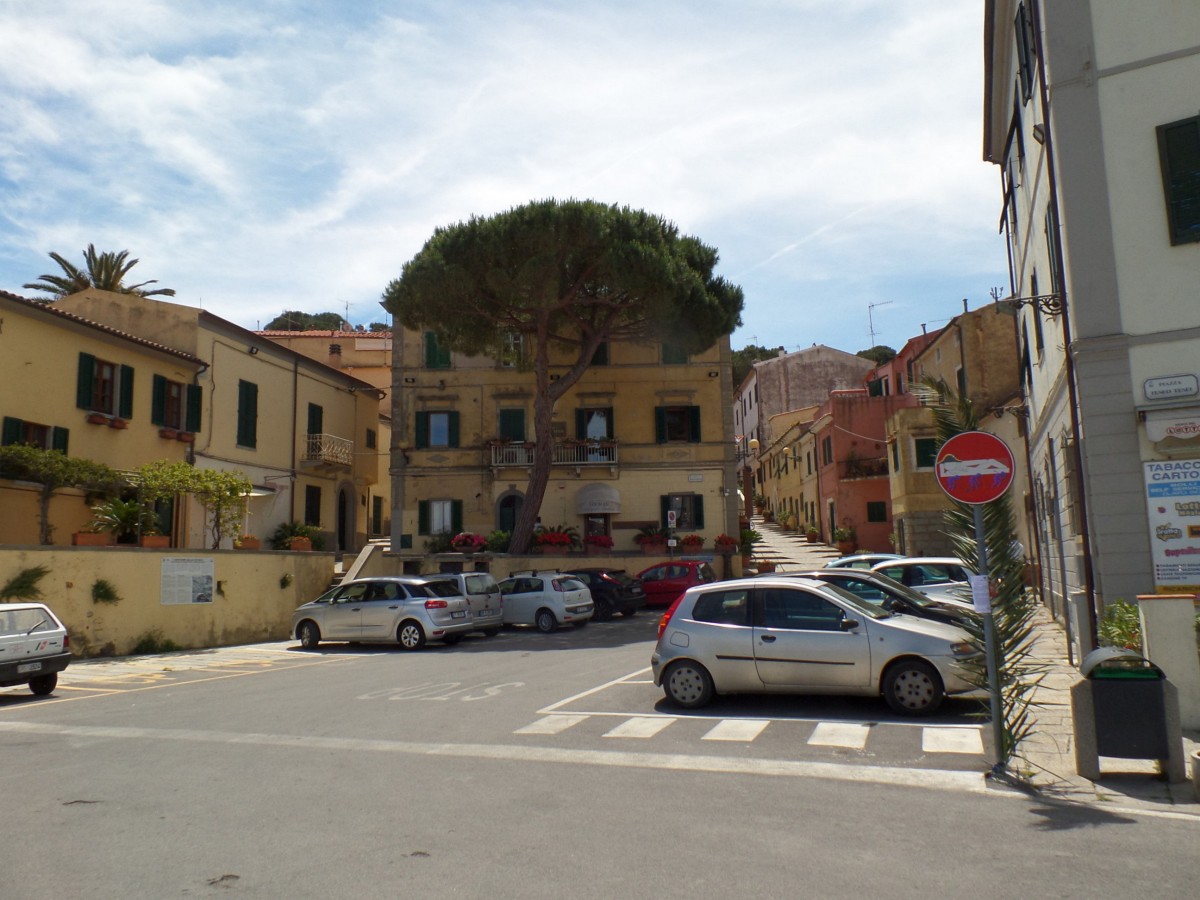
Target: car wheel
[451,639]
[603,611]
[410,635]
[913,688]
[688,684]
[309,634]
[545,621]
[44,684]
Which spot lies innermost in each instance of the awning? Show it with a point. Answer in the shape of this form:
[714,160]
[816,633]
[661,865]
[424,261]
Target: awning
[597,498]
[1181,424]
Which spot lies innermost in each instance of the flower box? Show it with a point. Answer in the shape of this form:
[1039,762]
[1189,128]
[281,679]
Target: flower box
[117,423]
[186,436]
[301,544]
[159,541]
[97,418]
[169,433]
[92,539]
[248,542]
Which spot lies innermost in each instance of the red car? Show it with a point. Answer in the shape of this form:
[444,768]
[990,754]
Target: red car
[665,582]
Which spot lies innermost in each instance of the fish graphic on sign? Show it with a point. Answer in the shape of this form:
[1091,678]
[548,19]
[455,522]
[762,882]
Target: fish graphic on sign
[974,470]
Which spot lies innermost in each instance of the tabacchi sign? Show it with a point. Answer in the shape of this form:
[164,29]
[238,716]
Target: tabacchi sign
[1173,508]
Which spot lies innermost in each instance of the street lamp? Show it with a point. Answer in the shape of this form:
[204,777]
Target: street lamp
[1047,304]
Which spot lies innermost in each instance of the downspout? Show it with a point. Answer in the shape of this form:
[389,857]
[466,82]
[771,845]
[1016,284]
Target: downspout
[295,423]
[1072,392]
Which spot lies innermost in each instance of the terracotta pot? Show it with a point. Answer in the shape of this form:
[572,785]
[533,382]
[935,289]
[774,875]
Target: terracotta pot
[813,536]
[593,550]
[250,543]
[845,547]
[654,549]
[169,433]
[91,539]
[97,419]
[117,423]
[186,436]
[725,548]
[160,541]
[301,544]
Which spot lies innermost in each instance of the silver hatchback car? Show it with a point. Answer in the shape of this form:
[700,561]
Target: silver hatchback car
[803,636]
[404,610]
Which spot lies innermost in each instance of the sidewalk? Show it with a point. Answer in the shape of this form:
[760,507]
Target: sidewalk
[1047,757]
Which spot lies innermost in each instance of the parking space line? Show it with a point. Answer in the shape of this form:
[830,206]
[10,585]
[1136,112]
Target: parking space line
[551,724]
[736,730]
[554,706]
[840,734]
[951,740]
[640,727]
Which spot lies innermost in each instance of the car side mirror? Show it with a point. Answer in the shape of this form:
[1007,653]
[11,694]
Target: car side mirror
[849,624]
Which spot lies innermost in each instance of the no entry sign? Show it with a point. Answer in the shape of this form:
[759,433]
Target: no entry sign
[974,467]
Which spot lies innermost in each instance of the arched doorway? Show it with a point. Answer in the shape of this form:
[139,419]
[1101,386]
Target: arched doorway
[508,507]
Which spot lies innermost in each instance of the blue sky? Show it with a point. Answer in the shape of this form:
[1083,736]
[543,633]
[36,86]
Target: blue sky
[294,154]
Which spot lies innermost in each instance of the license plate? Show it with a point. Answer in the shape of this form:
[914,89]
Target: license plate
[484,613]
[461,614]
[28,667]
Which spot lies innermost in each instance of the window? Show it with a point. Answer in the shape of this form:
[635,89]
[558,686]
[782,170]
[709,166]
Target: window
[876,511]
[1073,485]
[925,450]
[512,424]
[316,419]
[175,405]
[677,424]
[673,355]
[1026,56]
[688,509]
[247,414]
[312,505]
[511,351]
[799,610]
[104,387]
[372,441]
[723,607]
[18,431]
[1179,155]
[436,429]
[438,516]
[594,424]
[376,515]
[826,451]
[437,356]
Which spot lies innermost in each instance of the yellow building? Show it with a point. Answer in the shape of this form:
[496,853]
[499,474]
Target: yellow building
[305,434]
[644,438]
[92,391]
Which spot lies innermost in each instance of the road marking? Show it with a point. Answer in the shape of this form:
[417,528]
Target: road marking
[935,779]
[639,727]
[550,725]
[951,740]
[840,734]
[736,730]
[554,706]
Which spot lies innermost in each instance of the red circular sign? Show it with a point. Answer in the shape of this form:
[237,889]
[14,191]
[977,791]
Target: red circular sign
[974,467]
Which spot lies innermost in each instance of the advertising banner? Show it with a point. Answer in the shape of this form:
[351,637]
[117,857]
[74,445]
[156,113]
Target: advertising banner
[1173,506]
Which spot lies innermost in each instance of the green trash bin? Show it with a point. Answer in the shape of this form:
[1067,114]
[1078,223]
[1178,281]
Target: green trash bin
[1129,703]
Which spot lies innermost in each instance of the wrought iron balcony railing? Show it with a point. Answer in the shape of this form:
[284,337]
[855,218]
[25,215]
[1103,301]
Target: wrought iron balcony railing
[328,448]
[566,453]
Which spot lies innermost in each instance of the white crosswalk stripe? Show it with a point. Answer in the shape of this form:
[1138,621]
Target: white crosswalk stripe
[640,727]
[551,724]
[736,730]
[840,734]
[951,740]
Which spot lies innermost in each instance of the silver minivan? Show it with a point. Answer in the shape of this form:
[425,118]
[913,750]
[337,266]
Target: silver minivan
[483,595]
[34,646]
[803,636]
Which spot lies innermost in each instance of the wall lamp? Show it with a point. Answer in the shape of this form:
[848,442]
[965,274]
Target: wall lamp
[254,351]
[1048,304]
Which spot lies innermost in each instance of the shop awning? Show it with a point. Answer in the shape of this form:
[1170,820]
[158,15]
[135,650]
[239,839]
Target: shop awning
[1181,424]
[592,499]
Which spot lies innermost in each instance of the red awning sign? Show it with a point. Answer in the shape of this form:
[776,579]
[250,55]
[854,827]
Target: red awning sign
[974,467]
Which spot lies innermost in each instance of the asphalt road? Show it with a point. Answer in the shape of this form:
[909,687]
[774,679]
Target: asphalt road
[521,766]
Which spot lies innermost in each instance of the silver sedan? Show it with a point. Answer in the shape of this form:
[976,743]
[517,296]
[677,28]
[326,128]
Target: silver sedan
[401,610]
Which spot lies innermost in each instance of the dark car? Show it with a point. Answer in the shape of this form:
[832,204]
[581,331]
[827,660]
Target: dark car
[613,591]
[665,582]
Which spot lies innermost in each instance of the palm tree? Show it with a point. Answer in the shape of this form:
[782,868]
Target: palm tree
[105,271]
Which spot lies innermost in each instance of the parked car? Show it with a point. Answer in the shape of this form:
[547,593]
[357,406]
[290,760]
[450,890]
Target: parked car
[940,577]
[804,636]
[483,595]
[613,591]
[34,647]
[879,590]
[665,582]
[404,610]
[546,600]
[860,560]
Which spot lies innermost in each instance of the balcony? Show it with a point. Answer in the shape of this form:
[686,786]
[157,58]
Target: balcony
[857,467]
[327,452]
[566,453]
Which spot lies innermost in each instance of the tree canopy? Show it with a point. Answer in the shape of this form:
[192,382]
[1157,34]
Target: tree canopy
[294,320]
[104,271]
[879,354]
[567,276]
[744,359]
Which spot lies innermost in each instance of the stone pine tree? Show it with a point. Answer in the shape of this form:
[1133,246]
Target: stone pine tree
[1013,604]
[566,276]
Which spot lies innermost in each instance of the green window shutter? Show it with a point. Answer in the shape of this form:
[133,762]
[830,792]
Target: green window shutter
[660,425]
[694,429]
[698,511]
[580,424]
[158,401]
[125,401]
[452,422]
[58,439]
[421,434]
[436,356]
[195,399]
[423,517]
[664,504]
[13,431]
[85,381]
[456,516]
[512,424]
[247,424]
[316,419]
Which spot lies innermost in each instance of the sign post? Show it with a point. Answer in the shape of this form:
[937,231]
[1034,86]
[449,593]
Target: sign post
[976,468]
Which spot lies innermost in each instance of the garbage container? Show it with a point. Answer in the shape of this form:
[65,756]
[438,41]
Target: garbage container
[1128,702]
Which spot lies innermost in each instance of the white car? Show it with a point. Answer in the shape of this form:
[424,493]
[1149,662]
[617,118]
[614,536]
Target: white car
[941,578]
[546,600]
[34,647]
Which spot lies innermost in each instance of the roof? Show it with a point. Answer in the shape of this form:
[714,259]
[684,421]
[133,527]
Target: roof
[49,309]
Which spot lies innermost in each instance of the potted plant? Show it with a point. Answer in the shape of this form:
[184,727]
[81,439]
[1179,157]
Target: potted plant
[123,519]
[559,538]
[247,542]
[811,533]
[724,543]
[787,520]
[468,542]
[652,539]
[297,536]
[597,545]
[691,542]
[152,537]
[497,541]
[845,539]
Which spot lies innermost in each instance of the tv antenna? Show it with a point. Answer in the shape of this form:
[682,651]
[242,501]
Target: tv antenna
[871,318]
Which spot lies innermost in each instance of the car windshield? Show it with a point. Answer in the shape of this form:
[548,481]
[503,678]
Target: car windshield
[440,588]
[894,587]
[858,604]
[569,584]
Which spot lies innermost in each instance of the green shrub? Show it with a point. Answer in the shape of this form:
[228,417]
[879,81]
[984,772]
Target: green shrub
[440,543]
[288,530]
[24,585]
[153,642]
[104,592]
[497,541]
